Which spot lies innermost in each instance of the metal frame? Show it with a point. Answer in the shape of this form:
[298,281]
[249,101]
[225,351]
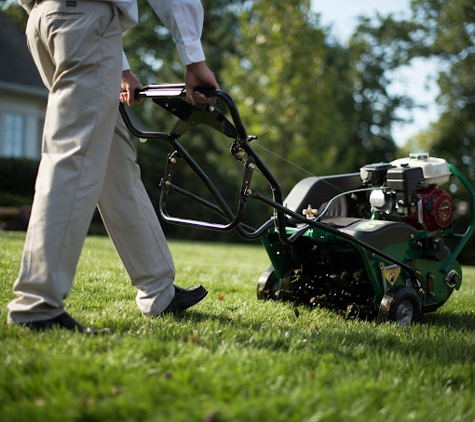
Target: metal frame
[172,98]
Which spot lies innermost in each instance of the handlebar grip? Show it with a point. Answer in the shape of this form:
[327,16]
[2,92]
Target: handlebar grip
[208,90]
[173,90]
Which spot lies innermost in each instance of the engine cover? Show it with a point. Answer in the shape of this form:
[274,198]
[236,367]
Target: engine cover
[434,211]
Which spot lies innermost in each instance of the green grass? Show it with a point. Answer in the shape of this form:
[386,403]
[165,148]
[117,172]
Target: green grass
[231,357]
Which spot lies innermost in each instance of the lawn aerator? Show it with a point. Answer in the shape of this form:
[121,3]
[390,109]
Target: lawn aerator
[378,243]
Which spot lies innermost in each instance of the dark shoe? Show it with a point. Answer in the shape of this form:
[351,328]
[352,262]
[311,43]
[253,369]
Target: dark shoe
[65,321]
[185,298]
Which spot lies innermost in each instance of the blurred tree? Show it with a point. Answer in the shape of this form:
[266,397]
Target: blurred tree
[317,104]
[448,29]
[16,13]
[154,59]
[444,31]
[373,63]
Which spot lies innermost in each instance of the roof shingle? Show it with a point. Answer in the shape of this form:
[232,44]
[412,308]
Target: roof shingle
[16,64]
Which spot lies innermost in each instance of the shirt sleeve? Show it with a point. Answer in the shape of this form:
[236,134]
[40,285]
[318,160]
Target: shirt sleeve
[184,20]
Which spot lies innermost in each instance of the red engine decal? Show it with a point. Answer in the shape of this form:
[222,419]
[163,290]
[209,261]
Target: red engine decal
[437,209]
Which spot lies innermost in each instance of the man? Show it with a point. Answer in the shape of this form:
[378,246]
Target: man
[88,160]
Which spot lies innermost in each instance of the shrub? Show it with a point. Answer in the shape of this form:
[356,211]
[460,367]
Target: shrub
[17,181]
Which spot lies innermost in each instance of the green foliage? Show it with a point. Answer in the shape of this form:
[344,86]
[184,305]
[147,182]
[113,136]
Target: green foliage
[17,181]
[15,12]
[449,30]
[308,99]
[443,31]
[154,58]
[232,357]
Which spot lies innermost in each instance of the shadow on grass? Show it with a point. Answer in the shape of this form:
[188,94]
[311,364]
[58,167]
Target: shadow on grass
[443,339]
[458,321]
[354,341]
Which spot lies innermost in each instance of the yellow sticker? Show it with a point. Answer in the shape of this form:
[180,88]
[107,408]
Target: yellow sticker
[391,273]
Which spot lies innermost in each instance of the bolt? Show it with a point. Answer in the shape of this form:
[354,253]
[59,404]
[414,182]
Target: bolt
[452,279]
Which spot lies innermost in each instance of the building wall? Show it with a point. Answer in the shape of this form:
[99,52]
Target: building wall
[22,113]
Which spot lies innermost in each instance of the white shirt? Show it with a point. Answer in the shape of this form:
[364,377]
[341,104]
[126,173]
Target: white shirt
[183,18]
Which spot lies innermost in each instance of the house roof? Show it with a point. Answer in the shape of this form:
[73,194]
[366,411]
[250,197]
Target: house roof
[17,68]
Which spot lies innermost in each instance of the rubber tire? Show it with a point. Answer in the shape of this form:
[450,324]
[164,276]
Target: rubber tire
[267,285]
[402,305]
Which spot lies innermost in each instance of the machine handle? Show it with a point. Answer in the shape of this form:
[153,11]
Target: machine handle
[209,91]
[178,89]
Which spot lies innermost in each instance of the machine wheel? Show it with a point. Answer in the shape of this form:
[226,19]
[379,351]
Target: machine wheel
[268,285]
[401,304]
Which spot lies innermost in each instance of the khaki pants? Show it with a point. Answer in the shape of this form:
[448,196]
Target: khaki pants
[87,160]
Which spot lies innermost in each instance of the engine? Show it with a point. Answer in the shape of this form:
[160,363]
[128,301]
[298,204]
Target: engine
[328,272]
[408,190]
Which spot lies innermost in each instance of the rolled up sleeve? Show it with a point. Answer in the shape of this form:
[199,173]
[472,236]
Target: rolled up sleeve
[184,20]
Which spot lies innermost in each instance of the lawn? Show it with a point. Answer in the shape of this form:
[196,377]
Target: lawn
[231,357]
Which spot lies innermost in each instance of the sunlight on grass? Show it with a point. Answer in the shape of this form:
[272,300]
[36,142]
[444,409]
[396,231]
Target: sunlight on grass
[231,357]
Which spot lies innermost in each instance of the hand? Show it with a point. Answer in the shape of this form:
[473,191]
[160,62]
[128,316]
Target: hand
[198,74]
[128,85]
